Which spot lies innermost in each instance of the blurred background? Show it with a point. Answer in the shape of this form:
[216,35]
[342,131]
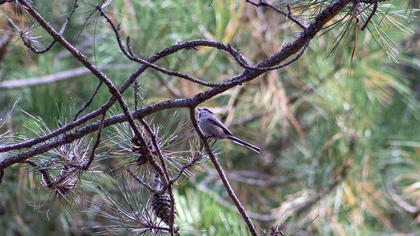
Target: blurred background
[339,128]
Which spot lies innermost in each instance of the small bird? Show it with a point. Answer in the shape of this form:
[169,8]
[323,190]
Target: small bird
[212,127]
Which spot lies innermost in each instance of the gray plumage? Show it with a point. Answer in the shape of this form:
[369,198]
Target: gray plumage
[212,127]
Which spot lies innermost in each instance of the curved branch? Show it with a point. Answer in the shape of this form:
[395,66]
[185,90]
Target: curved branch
[167,51]
[130,55]
[290,49]
[99,74]
[84,60]
[87,104]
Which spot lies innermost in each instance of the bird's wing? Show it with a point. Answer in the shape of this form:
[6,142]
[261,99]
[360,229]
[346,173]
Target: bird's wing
[218,123]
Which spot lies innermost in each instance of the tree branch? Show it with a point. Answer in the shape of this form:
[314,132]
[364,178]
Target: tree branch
[165,175]
[84,60]
[222,175]
[130,55]
[87,104]
[141,181]
[375,7]
[288,50]
[166,52]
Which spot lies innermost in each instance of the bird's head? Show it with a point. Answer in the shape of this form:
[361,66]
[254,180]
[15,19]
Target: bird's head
[202,111]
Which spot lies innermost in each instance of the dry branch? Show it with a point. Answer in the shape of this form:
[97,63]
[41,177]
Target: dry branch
[222,175]
[288,50]
[68,133]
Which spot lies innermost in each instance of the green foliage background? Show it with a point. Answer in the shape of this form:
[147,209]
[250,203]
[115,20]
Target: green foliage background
[324,113]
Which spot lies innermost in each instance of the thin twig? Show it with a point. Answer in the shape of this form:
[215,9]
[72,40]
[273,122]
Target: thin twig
[87,104]
[130,55]
[44,173]
[141,181]
[1,174]
[184,168]
[201,186]
[28,43]
[165,177]
[222,175]
[84,60]
[375,7]
[136,91]
[96,144]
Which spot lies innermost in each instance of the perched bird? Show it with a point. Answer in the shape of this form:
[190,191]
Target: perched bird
[212,127]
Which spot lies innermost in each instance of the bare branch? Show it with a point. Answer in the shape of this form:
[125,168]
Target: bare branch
[124,87]
[130,55]
[1,174]
[96,144]
[84,60]
[375,8]
[87,104]
[287,51]
[222,175]
[141,181]
[165,177]
[253,215]
[44,173]
[185,167]
[28,43]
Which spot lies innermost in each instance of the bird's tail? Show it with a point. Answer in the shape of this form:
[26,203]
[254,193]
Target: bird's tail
[245,144]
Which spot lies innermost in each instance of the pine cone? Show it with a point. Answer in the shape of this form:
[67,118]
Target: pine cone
[161,206]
